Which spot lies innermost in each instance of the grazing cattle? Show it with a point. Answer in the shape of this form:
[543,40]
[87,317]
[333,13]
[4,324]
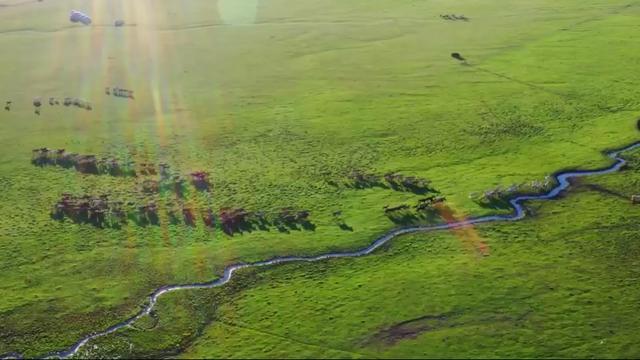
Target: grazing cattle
[457,56]
[40,151]
[187,214]
[67,159]
[57,154]
[400,182]
[200,180]
[149,212]
[83,163]
[87,164]
[388,209]
[208,218]
[86,209]
[361,179]
[110,166]
[429,203]
[303,215]
[118,92]
[118,215]
[287,215]
[232,219]
[40,156]
[393,179]
[635,199]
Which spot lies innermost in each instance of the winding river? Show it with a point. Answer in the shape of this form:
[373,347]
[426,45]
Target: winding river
[518,213]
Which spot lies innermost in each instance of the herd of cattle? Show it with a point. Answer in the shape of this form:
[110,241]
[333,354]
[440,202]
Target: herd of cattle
[360,179]
[454,17]
[102,211]
[87,164]
[118,92]
[71,101]
[67,101]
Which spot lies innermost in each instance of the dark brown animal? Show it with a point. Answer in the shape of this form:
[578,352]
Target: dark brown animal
[457,56]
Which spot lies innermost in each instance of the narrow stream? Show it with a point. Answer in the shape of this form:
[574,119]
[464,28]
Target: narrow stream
[562,179]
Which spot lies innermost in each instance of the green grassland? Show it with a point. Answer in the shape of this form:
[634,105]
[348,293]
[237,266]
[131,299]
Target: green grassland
[560,284]
[277,103]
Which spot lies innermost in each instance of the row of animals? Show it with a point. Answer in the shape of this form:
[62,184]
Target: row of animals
[454,17]
[68,101]
[118,92]
[86,164]
[103,212]
[424,204]
[90,164]
[71,207]
[425,209]
[499,197]
[359,179]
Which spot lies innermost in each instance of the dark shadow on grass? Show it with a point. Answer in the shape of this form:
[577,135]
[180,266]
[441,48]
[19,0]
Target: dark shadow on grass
[496,204]
[345,227]
[603,190]
[309,226]
[404,218]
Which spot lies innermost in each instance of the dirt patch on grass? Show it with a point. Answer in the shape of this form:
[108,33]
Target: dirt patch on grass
[410,329]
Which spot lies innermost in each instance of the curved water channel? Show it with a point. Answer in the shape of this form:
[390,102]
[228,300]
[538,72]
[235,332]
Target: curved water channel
[562,179]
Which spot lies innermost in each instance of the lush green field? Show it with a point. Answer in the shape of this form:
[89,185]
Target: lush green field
[277,98]
[560,284]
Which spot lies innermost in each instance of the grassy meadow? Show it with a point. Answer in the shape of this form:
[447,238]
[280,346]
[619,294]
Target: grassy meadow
[276,99]
[557,285]
[560,285]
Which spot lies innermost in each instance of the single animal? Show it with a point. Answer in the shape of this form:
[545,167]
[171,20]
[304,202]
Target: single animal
[457,56]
